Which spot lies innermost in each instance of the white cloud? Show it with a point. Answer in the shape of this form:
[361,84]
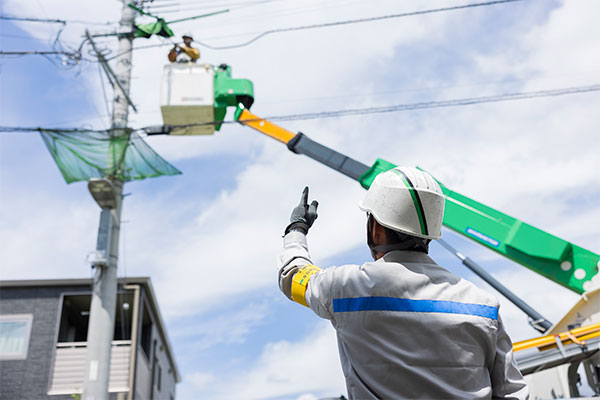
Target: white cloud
[200,380]
[47,242]
[309,367]
[228,328]
[533,159]
[307,396]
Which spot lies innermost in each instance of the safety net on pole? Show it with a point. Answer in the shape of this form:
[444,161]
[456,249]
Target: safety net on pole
[122,154]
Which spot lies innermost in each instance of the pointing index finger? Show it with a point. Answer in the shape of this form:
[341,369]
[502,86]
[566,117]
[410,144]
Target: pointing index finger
[304,197]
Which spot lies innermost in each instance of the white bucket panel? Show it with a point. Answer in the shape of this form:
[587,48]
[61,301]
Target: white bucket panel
[187,97]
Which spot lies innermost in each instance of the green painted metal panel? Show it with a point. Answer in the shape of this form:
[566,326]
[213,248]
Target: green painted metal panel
[230,92]
[558,260]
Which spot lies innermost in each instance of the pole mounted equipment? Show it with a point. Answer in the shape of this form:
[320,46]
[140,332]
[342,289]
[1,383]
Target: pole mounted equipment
[161,27]
[103,191]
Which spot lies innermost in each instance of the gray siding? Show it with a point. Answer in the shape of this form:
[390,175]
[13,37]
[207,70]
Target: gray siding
[146,387]
[30,379]
[168,377]
[143,377]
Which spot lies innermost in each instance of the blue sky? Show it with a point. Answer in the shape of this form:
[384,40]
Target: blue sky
[209,238]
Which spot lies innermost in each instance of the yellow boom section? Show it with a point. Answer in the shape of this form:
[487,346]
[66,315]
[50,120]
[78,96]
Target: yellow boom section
[545,342]
[245,117]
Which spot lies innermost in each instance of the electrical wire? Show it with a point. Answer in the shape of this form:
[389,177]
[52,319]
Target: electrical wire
[344,113]
[103,89]
[67,61]
[200,6]
[441,104]
[16,129]
[28,19]
[543,77]
[34,52]
[270,15]
[53,21]
[354,21]
[236,6]
[262,34]
[68,57]
[150,46]
[406,107]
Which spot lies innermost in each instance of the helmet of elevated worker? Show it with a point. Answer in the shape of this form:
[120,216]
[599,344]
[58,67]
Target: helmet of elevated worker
[406,200]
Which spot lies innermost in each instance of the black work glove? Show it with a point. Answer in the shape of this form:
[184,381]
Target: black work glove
[303,215]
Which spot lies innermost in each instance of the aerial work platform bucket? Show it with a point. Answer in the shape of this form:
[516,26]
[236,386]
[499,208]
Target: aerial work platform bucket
[187,98]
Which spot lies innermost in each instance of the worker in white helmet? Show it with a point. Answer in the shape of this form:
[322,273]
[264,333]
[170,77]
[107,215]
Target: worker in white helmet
[406,327]
[184,53]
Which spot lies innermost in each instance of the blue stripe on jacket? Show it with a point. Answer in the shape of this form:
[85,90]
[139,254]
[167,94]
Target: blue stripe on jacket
[409,305]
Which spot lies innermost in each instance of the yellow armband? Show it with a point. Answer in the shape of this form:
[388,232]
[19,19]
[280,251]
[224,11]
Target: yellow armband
[300,282]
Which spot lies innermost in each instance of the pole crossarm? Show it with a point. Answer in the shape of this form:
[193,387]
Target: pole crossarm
[108,70]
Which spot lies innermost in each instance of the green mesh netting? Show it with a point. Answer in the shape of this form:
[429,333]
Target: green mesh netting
[81,156]
[159,28]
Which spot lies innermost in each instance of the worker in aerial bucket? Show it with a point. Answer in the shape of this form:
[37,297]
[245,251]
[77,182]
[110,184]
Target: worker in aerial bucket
[406,327]
[185,53]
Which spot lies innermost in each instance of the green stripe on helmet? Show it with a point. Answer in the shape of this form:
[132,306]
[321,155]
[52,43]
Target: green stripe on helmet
[416,200]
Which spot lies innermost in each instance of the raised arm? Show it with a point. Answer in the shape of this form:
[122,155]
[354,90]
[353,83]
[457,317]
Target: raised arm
[294,258]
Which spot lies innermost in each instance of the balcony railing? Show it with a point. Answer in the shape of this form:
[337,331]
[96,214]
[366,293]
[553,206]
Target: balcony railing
[68,371]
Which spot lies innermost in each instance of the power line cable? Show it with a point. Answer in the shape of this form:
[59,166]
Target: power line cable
[399,107]
[56,130]
[236,6]
[53,21]
[150,46]
[200,5]
[103,89]
[297,28]
[355,21]
[34,52]
[543,77]
[262,34]
[441,104]
[342,113]
[29,19]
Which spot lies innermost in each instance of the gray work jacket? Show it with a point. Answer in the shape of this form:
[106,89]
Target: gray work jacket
[406,327]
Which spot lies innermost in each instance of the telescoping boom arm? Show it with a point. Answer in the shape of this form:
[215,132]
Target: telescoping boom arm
[558,260]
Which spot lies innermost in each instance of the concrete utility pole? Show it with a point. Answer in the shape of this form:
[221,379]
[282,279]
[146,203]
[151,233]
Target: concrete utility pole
[104,296]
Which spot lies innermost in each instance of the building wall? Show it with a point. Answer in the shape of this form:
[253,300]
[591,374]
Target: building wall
[146,387]
[28,379]
[168,377]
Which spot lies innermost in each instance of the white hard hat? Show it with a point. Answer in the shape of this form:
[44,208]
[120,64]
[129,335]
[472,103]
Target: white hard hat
[406,200]
[187,34]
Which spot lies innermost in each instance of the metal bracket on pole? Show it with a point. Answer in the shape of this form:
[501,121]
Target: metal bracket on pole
[108,70]
[537,321]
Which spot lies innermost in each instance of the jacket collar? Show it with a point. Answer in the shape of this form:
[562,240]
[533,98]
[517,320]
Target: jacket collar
[406,256]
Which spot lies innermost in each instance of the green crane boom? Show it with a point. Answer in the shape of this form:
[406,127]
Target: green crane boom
[558,260]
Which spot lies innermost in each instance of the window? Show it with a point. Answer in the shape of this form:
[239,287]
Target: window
[158,377]
[15,331]
[146,333]
[75,316]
